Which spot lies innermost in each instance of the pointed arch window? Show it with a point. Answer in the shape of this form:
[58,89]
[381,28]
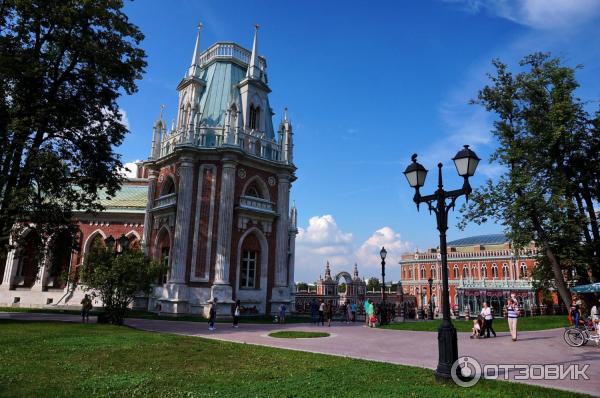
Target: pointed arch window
[423,276]
[484,273]
[505,271]
[433,272]
[254,121]
[455,271]
[494,271]
[523,270]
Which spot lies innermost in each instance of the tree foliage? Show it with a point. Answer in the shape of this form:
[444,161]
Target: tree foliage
[118,278]
[63,65]
[373,284]
[548,147]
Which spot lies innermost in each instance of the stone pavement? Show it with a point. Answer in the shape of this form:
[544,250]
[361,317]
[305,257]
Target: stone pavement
[398,347]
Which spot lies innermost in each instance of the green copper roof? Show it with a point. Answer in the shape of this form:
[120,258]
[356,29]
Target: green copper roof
[130,198]
[221,91]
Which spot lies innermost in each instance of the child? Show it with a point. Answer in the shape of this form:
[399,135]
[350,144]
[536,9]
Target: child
[476,331]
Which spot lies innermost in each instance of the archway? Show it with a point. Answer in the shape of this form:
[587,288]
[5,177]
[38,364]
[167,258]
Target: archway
[29,257]
[162,252]
[252,269]
[347,288]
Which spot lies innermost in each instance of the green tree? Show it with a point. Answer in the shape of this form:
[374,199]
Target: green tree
[118,278]
[548,147]
[342,288]
[63,65]
[302,286]
[373,284]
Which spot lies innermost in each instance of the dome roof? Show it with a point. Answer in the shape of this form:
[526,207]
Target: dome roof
[491,239]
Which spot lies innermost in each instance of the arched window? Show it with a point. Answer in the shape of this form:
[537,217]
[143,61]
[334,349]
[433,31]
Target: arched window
[505,271]
[523,270]
[253,191]
[455,271]
[163,248]
[423,273]
[168,187]
[433,272]
[254,117]
[484,271]
[494,271]
[29,258]
[249,263]
[465,271]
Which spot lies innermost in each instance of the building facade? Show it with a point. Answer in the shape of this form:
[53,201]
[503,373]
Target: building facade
[480,268]
[216,187]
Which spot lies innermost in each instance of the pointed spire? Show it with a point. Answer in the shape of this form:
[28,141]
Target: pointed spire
[355,271]
[195,65]
[253,69]
[285,114]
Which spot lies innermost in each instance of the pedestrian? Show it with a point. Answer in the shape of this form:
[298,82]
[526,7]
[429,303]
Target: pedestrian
[86,307]
[486,313]
[212,315]
[353,309]
[513,314]
[576,315]
[595,314]
[329,314]
[348,313]
[282,311]
[236,313]
[321,313]
[372,320]
[367,318]
[314,310]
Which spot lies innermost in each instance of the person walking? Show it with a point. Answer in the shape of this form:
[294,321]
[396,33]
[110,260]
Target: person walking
[321,313]
[353,309]
[86,307]
[513,314]
[595,314]
[329,314]
[371,314]
[348,313]
[282,311]
[367,318]
[236,313]
[212,315]
[314,310]
[576,315]
[486,313]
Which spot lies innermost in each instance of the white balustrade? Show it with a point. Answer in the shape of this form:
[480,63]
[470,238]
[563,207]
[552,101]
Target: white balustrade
[253,203]
[166,200]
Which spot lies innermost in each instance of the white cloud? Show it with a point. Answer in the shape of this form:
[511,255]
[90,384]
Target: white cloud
[539,14]
[124,119]
[129,169]
[323,241]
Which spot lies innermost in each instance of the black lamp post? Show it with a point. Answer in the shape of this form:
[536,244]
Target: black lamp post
[430,280]
[466,162]
[123,243]
[383,254]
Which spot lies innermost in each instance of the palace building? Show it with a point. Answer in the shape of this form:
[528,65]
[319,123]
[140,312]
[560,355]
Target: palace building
[212,201]
[480,268]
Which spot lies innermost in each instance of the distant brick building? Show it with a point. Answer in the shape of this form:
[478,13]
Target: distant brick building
[480,268]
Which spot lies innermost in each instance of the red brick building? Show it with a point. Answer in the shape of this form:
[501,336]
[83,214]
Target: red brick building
[480,268]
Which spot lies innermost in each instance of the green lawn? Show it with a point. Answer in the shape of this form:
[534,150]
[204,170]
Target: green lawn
[152,315]
[499,324]
[50,359]
[297,334]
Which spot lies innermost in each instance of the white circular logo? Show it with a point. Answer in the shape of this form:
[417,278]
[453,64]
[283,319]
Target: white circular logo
[466,371]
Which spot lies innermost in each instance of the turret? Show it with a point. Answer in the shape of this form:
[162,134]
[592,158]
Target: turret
[355,273]
[294,217]
[286,139]
[254,72]
[194,69]
[157,131]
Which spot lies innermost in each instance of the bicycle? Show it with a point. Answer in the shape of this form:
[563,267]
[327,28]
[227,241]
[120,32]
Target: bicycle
[578,336]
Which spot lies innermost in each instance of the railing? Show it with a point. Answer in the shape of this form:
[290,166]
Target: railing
[229,51]
[252,203]
[166,200]
[214,137]
[495,284]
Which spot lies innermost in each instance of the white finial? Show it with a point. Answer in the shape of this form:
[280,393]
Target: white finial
[162,108]
[285,114]
[253,69]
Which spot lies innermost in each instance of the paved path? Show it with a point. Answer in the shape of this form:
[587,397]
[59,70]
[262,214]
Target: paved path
[399,347]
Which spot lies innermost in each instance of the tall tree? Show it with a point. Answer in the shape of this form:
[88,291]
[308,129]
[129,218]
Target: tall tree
[373,284]
[63,65]
[548,147]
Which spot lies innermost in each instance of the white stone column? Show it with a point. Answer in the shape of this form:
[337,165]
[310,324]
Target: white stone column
[182,221]
[10,269]
[281,242]
[40,280]
[291,258]
[152,176]
[225,223]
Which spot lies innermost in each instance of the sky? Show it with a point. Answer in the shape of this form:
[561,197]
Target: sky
[367,84]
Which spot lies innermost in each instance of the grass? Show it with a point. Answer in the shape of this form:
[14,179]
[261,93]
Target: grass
[262,319]
[298,334]
[52,359]
[499,324]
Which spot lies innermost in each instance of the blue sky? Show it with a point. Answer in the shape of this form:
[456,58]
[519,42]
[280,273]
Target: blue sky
[367,84]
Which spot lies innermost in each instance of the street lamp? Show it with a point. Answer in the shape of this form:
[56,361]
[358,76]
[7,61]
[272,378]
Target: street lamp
[466,162]
[383,254]
[430,280]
